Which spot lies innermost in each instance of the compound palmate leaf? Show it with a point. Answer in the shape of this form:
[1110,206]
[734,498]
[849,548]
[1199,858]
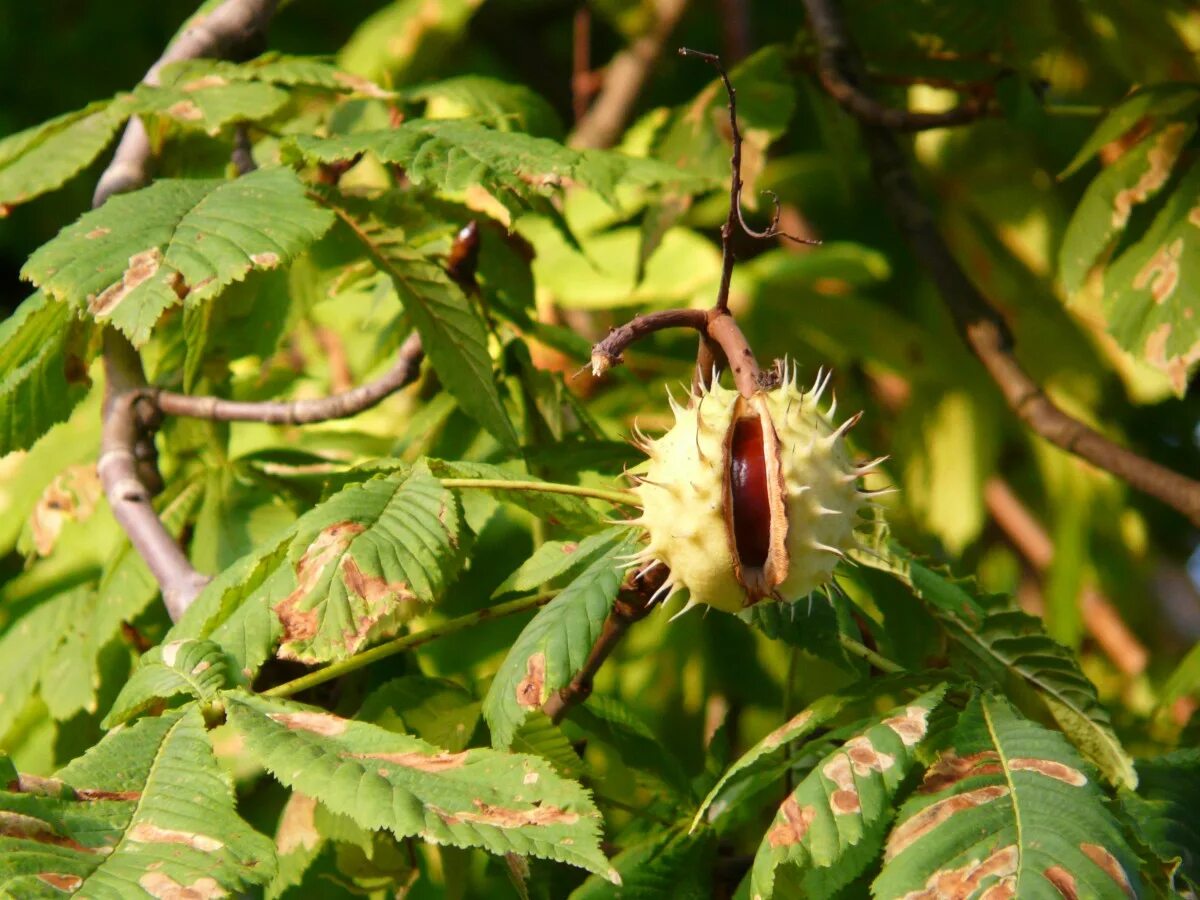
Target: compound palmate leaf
[552,647]
[829,828]
[147,812]
[178,239]
[1007,810]
[502,802]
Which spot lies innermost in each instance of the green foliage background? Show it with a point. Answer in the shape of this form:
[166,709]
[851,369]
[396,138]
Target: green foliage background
[709,739]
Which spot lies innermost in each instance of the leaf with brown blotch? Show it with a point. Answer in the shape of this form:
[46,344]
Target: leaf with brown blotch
[502,802]
[1007,809]
[823,834]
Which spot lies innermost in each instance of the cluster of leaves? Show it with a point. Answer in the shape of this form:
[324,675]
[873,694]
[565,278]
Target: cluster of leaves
[141,754]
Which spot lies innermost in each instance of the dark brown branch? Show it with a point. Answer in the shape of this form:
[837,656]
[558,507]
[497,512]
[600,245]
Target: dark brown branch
[624,79]
[980,325]
[1101,619]
[127,444]
[843,82]
[298,412]
[632,603]
[241,156]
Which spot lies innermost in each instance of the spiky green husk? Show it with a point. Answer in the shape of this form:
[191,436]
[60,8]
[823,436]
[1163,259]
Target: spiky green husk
[683,496]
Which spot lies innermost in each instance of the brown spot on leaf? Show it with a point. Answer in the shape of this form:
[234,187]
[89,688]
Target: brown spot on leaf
[148,833]
[909,727]
[570,547]
[1194,216]
[65,883]
[97,233]
[1063,881]
[951,768]
[1050,768]
[326,548]
[1175,365]
[96,794]
[36,784]
[70,497]
[325,724]
[963,882]
[142,267]
[422,762]
[1161,271]
[266,260]
[385,600]
[844,801]
[839,770]
[205,81]
[29,828]
[791,823]
[501,817]
[297,826]
[1106,861]
[185,110]
[1004,889]
[360,85]
[780,734]
[932,816]
[163,887]
[1159,161]
[865,758]
[529,690]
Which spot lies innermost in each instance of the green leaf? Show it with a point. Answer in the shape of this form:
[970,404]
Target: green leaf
[497,104]
[1109,201]
[452,330]
[670,863]
[272,68]
[519,170]
[1008,646]
[436,710]
[792,733]
[504,803]
[834,819]
[406,38]
[556,509]
[1151,290]
[554,645]
[209,102]
[44,157]
[1007,805]
[44,356]
[538,736]
[1154,103]
[611,722]
[146,812]
[554,559]
[1163,812]
[142,252]
[186,666]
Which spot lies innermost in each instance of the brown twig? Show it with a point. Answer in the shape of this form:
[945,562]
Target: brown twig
[583,79]
[127,447]
[980,325]
[1100,617]
[298,412]
[624,79]
[241,156]
[843,82]
[632,603]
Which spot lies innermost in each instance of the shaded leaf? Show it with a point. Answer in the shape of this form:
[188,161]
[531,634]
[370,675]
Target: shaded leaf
[498,104]
[554,559]
[1163,812]
[44,357]
[834,819]
[670,863]
[1008,806]
[145,251]
[504,803]
[436,710]
[554,645]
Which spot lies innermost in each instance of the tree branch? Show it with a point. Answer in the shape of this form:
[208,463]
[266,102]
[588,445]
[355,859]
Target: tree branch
[632,604]
[980,325]
[1100,617]
[126,461]
[298,412]
[624,79]
[842,77]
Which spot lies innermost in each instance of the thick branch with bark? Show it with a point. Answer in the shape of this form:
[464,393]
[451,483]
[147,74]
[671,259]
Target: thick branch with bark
[979,323]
